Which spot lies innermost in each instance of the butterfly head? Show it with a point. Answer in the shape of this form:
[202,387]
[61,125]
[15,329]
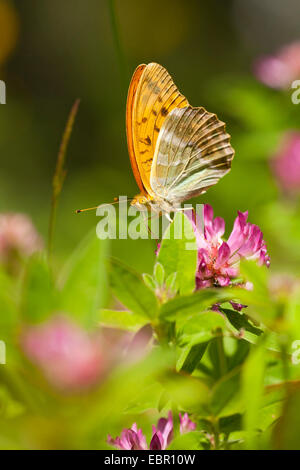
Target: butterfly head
[145,201]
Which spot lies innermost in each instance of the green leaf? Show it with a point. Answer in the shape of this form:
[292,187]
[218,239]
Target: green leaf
[224,392]
[242,351]
[130,289]
[191,304]
[39,297]
[84,281]
[241,321]
[121,319]
[252,388]
[159,273]
[171,282]
[268,415]
[217,356]
[231,423]
[175,256]
[149,281]
[190,357]
[201,328]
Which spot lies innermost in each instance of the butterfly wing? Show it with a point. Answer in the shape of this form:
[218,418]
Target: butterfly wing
[129,111]
[193,152]
[152,96]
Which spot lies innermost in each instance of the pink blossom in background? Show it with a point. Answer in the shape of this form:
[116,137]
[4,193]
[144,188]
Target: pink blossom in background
[281,69]
[17,235]
[218,260]
[162,434]
[186,424]
[283,286]
[69,357]
[286,163]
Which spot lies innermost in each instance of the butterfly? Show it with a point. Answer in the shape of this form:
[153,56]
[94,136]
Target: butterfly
[177,151]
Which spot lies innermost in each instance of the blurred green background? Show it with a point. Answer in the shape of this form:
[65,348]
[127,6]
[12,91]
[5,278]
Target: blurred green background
[52,52]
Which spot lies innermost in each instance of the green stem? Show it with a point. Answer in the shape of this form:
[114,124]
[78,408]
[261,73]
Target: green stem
[221,353]
[117,43]
[52,220]
[215,427]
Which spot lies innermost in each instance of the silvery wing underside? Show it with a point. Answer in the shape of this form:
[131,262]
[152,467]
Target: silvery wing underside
[192,153]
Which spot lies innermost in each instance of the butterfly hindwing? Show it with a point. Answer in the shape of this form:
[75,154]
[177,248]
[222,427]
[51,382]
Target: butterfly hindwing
[193,152]
[152,96]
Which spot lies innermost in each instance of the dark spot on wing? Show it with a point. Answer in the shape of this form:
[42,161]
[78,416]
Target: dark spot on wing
[146,141]
[148,162]
[144,119]
[157,129]
[154,112]
[164,111]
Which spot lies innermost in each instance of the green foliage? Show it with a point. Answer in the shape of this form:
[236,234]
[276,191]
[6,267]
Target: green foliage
[229,370]
[39,297]
[252,388]
[174,255]
[130,289]
[190,304]
[83,281]
[121,319]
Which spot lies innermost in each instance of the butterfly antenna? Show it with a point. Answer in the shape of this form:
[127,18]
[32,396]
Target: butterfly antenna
[116,201]
[88,209]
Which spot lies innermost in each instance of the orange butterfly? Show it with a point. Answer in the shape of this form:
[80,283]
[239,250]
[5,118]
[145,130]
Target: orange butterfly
[176,151]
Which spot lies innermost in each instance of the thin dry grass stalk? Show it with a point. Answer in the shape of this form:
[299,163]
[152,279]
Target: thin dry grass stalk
[60,174]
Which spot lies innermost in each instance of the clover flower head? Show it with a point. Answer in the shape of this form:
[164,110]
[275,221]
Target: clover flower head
[69,357]
[17,236]
[186,424]
[218,260]
[130,439]
[162,434]
[281,69]
[286,163]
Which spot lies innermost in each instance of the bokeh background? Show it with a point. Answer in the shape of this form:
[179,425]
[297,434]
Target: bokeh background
[52,52]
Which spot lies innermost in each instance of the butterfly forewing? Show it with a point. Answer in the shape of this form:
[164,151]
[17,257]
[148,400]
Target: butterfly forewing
[152,96]
[193,152]
[129,111]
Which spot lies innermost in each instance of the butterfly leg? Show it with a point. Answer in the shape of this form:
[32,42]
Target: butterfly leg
[182,209]
[168,217]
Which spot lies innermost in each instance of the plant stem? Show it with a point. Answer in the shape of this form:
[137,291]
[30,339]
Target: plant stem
[59,174]
[221,354]
[215,427]
[117,43]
